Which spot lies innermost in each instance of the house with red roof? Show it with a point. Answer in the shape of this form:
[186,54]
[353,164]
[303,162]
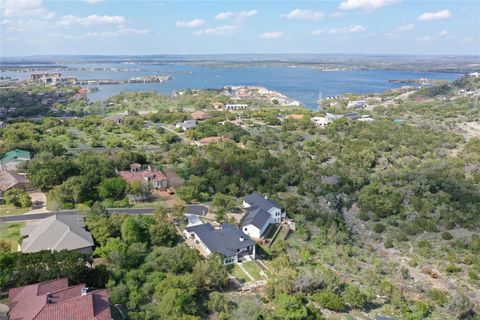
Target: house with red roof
[157,179]
[55,299]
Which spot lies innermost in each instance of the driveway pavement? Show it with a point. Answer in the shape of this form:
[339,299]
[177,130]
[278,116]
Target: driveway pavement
[39,202]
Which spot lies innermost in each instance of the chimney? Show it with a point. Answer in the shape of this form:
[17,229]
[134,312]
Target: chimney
[84,291]
[49,298]
[242,239]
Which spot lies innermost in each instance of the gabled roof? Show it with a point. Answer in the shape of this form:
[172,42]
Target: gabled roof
[8,179]
[226,239]
[51,300]
[255,216]
[257,200]
[16,154]
[144,176]
[57,232]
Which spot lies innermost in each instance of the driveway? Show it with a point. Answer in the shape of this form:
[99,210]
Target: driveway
[193,219]
[39,202]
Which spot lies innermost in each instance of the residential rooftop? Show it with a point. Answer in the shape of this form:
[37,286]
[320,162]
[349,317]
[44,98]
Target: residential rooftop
[57,232]
[227,239]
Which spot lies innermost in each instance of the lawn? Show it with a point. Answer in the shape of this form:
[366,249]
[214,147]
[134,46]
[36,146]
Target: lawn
[281,235]
[6,210]
[253,270]
[10,232]
[238,273]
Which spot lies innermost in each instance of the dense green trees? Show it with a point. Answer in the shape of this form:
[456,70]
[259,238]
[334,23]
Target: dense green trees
[18,269]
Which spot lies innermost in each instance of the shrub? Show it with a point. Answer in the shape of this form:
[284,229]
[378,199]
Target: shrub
[447,235]
[363,216]
[452,269]
[388,243]
[401,236]
[379,228]
[355,297]
[438,296]
[330,300]
[18,198]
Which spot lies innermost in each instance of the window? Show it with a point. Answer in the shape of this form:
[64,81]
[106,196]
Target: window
[244,229]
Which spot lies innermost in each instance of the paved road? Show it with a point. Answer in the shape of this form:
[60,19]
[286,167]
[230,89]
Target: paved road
[194,209]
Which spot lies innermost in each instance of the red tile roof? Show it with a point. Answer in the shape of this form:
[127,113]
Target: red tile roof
[52,300]
[143,176]
[199,115]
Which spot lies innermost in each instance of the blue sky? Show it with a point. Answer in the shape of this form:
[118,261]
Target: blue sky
[32,27]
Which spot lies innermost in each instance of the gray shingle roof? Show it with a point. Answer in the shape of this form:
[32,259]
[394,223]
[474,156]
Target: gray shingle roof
[225,240]
[255,216]
[257,200]
[57,232]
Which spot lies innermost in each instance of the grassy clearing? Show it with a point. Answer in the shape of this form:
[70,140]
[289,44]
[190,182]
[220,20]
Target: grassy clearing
[7,210]
[253,270]
[10,232]
[241,276]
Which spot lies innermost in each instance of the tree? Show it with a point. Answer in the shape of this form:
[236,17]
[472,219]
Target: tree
[218,303]
[46,171]
[162,234]
[138,189]
[100,224]
[160,213]
[72,191]
[293,307]
[132,230]
[178,210]
[7,260]
[355,297]
[17,198]
[329,300]
[112,188]
[221,204]
[211,274]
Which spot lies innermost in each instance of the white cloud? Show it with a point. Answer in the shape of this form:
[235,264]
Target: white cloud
[340,31]
[93,1]
[25,8]
[57,35]
[219,31]
[239,15]
[365,4]
[338,14]
[271,35]
[425,38]
[406,27]
[443,33]
[307,14]
[119,32]
[237,18]
[190,24]
[92,20]
[432,16]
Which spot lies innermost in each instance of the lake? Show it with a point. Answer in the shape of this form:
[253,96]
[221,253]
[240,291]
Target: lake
[302,84]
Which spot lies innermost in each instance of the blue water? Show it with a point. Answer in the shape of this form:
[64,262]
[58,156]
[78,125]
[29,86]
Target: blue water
[299,83]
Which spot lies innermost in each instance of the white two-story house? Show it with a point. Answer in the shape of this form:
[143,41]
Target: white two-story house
[261,212]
